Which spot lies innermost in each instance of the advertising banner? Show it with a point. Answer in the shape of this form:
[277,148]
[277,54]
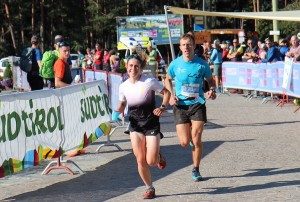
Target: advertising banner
[267,77]
[42,124]
[151,26]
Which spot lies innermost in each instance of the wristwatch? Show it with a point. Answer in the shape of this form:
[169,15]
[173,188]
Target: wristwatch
[163,106]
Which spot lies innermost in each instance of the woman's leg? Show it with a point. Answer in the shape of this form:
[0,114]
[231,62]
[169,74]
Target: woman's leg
[152,149]
[138,142]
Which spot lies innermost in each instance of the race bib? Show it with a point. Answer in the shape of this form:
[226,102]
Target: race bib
[190,90]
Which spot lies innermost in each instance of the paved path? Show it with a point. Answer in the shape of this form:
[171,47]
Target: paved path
[251,153]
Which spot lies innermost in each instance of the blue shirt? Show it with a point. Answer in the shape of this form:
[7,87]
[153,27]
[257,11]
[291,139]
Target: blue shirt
[283,50]
[273,55]
[189,79]
[216,56]
[38,57]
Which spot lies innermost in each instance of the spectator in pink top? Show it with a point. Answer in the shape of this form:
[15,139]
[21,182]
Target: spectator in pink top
[106,62]
[294,49]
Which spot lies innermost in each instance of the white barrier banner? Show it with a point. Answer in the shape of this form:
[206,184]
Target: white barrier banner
[101,75]
[114,81]
[85,107]
[89,76]
[287,72]
[55,118]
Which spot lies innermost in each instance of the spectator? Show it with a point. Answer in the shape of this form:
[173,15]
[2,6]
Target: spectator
[88,60]
[262,51]
[235,54]
[283,49]
[106,62]
[80,57]
[34,79]
[273,54]
[62,70]
[225,52]
[114,60]
[216,60]
[251,52]
[98,57]
[294,49]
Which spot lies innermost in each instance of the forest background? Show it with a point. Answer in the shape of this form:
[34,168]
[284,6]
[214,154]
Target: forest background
[85,22]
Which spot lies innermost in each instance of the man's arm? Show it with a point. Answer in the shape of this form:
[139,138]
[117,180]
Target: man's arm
[168,85]
[59,83]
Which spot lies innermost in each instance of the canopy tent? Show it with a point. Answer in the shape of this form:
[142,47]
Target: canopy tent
[277,15]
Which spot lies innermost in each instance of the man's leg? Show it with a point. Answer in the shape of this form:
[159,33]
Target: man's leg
[197,129]
[184,133]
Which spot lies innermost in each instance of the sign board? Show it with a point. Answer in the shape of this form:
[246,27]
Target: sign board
[154,26]
[274,32]
[200,37]
[198,27]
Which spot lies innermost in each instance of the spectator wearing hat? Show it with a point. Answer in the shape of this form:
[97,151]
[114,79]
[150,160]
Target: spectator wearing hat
[34,79]
[283,48]
[294,49]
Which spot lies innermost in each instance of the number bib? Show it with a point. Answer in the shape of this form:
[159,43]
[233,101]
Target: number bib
[190,90]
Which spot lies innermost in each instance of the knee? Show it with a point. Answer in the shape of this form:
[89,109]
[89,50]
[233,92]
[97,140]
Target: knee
[141,162]
[152,163]
[198,145]
[185,143]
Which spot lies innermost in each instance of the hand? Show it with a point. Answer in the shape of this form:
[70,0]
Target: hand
[173,100]
[211,94]
[114,116]
[158,111]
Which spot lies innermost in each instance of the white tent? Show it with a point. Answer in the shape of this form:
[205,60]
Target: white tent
[277,15]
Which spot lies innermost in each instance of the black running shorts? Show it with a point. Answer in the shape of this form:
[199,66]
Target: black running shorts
[185,113]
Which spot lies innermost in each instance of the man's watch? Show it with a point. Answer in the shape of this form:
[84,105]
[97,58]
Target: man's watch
[163,106]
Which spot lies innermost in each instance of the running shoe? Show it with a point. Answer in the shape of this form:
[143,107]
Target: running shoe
[150,193]
[162,162]
[196,177]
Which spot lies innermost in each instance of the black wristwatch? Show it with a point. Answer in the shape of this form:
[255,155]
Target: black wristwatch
[163,107]
[213,90]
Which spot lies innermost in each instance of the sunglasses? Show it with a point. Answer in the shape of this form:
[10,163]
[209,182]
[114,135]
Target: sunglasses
[63,43]
[135,56]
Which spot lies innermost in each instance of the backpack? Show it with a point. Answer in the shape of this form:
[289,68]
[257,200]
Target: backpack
[49,58]
[26,59]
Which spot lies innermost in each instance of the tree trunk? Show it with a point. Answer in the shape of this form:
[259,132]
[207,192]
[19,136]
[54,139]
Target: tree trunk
[52,24]
[11,29]
[86,21]
[42,2]
[127,7]
[190,17]
[21,27]
[32,16]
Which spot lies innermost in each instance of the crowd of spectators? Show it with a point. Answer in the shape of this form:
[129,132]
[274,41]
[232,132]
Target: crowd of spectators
[254,50]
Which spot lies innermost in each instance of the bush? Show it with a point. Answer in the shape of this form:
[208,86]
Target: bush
[8,72]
